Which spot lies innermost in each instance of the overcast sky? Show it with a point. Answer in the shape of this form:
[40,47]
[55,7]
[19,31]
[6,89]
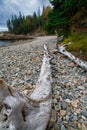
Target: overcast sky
[26,7]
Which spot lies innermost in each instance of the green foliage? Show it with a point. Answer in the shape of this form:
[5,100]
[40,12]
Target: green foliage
[56,21]
[56,18]
[78,44]
[56,3]
[78,41]
[15,24]
[65,15]
[22,24]
[45,12]
[62,13]
[79,20]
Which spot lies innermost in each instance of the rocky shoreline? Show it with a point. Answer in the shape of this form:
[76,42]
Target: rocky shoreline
[20,66]
[10,36]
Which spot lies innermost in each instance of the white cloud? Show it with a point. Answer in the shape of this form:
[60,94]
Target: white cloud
[27,7]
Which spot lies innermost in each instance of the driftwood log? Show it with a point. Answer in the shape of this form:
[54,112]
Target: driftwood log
[28,113]
[79,62]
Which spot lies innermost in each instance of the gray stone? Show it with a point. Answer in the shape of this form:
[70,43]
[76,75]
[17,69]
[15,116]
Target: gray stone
[68,110]
[68,101]
[67,118]
[55,101]
[63,127]
[75,117]
[64,105]
[84,118]
[14,83]
[84,113]
[81,87]
[59,120]
[70,97]
[57,107]
[84,98]
[85,85]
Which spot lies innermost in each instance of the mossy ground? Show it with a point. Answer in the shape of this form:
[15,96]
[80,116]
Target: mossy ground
[78,45]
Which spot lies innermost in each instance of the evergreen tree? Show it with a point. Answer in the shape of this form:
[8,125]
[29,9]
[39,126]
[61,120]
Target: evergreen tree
[62,13]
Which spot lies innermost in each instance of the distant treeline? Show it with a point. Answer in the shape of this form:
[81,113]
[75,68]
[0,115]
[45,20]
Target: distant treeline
[65,16]
[26,24]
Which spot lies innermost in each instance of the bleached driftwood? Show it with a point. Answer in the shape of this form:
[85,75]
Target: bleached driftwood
[72,57]
[28,113]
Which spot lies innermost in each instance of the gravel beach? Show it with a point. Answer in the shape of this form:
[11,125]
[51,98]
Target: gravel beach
[20,65]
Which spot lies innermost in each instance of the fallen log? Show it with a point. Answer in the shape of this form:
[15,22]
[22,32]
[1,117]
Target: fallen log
[28,113]
[79,62]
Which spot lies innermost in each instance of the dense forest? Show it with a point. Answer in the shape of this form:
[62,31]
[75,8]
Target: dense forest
[27,24]
[65,16]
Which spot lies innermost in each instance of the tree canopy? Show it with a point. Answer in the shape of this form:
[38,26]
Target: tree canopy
[22,24]
[62,13]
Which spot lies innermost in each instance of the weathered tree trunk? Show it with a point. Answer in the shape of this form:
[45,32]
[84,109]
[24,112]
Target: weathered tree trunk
[72,57]
[28,113]
[59,40]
